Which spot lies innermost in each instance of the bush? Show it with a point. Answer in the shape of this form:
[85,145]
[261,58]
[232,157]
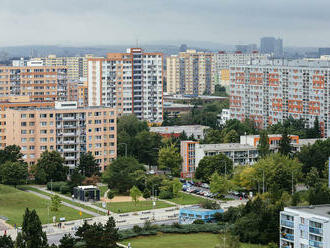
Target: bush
[198,222]
[208,204]
[166,195]
[176,225]
[55,186]
[147,226]
[64,189]
[146,193]
[137,229]
[110,194]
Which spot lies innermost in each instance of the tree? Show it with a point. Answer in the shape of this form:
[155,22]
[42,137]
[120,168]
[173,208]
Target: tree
[40,176]
[32,235]
[228,240]
[120,175]
[312,178]
[110,194]
[209,164]
[263,146]
[10,153]
[55,203]
[52,163]
[67,241]
[319,195]
[146,193]
[76,179]
[316,129]
[219,184]
[169,158]
[212,136]
[6,242]
[285,147]
[135,193]
[13,173]
[176,187]
[88,165]
[98,235]
[231,137]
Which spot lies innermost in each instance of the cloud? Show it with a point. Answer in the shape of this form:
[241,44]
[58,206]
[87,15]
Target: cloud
[93,22]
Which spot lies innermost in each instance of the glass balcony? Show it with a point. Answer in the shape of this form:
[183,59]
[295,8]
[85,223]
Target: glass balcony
[288,236]
[316,230]
[287,223]
[314,243]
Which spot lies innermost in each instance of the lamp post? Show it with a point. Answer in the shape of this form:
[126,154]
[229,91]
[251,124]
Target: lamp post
[125,148]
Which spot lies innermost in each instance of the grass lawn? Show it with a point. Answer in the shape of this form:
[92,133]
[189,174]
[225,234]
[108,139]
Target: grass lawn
[125,207]
[13,203]
[196,240]
[26,187]
[186,199]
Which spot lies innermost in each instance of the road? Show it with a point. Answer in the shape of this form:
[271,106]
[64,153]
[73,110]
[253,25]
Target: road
[55,238]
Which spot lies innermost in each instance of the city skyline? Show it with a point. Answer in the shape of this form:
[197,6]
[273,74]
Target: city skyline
[226,22]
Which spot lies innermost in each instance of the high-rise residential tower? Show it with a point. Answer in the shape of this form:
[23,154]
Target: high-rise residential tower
[131,82]
[272,46]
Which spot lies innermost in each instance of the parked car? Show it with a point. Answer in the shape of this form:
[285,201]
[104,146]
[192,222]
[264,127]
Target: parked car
[205,185]
[182,180]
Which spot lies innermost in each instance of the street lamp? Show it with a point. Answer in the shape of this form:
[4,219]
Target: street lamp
[125,148]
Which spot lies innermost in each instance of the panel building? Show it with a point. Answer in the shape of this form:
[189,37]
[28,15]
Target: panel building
[40,83]
[131,82]
[305,227]
[190,73]
[269,94]
[271,45]
[65,128]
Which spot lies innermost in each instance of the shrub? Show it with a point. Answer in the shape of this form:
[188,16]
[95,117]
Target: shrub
[147,225]
[55,186]
[146,193]
[176,225]
[110,194]
[166,195]
[137,229]
[208,204]
[64,189]
[198,221]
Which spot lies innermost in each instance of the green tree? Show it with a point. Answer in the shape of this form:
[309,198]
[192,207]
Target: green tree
[10,153]
[146,193]
[98,235]
[110,194]
[219,184]
[170,158]
[88,165]
[312,178]
[231,137]
[52,163]
[55,203]
[120,175]
[135,193]
[212,136]
[209,164]
[67,241]
[319,195]
[263,146]
[32,235]
[76,179]
[285,147]
[316,128]
[227,240]
[6,242]
[176,187]
[13,173]
[40,176]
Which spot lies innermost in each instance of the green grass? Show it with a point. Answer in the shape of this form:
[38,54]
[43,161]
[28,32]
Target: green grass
[13,203]
[186,199]
[77,204]
[196,240]
[125,207]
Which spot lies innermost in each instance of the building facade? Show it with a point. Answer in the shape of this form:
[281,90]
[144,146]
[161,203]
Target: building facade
[305,227]
[196,131]
[273,93]
[271,45]
[65,128]
[131,82]
[190,73]
[40,83]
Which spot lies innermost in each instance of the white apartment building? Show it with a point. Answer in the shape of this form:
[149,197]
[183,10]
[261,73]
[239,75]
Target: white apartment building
[305,227]
[273,91]
[190,73]
[132,82]
[197,131]
[223,117]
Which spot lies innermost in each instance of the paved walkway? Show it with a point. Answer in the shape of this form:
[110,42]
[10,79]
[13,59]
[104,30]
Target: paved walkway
[66,204]
[70,199]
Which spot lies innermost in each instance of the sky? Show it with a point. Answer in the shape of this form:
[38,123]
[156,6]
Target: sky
[110,22]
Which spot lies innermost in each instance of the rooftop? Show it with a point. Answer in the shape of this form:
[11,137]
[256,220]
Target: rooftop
[320,210]
[226,146]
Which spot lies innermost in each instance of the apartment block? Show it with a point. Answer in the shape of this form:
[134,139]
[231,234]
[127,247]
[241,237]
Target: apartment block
[40,83]
[269,94]
[131,82]
[82,94]
[65,128]
[190,73]
[305,227]
[243,153]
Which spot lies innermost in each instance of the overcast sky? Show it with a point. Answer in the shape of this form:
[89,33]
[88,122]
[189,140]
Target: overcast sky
[112,22]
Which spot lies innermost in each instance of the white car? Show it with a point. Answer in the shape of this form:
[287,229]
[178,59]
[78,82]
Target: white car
[205,185]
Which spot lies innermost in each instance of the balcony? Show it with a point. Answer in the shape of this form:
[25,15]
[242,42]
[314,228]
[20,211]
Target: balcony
[314,243]
[69,142]
[287,236]
[287,223]
[69,134]
[70,158]
[71,118]
[316,230]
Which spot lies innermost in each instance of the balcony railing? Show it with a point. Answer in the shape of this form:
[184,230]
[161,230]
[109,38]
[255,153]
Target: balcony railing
[316,230]
[315,243]
[288,236]
[287,223]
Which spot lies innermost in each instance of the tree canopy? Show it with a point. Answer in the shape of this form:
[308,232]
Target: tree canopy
[170,158]
[88,165]
[13,173]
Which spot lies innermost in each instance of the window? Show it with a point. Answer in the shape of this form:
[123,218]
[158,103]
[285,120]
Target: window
[302,220]
[43,115]
[31,148]
[23,131]
[31,115]
[31,139]
[31,131]
[43,148]
[90,146]
[43,139]
[23,124]
[23,140]
[43,123]
[24,148]
[23,115]
[43,131]
[31,124]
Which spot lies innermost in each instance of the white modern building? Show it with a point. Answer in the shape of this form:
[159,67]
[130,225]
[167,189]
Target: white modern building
[305,227]
[132,82]
[223,117]
[196,131]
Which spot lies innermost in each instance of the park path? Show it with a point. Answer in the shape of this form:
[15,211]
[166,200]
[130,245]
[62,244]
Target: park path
[70,199]
[66,204]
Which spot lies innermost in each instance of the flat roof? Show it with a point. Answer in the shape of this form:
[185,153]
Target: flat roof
[176,129]
[320,210]
[226,146]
